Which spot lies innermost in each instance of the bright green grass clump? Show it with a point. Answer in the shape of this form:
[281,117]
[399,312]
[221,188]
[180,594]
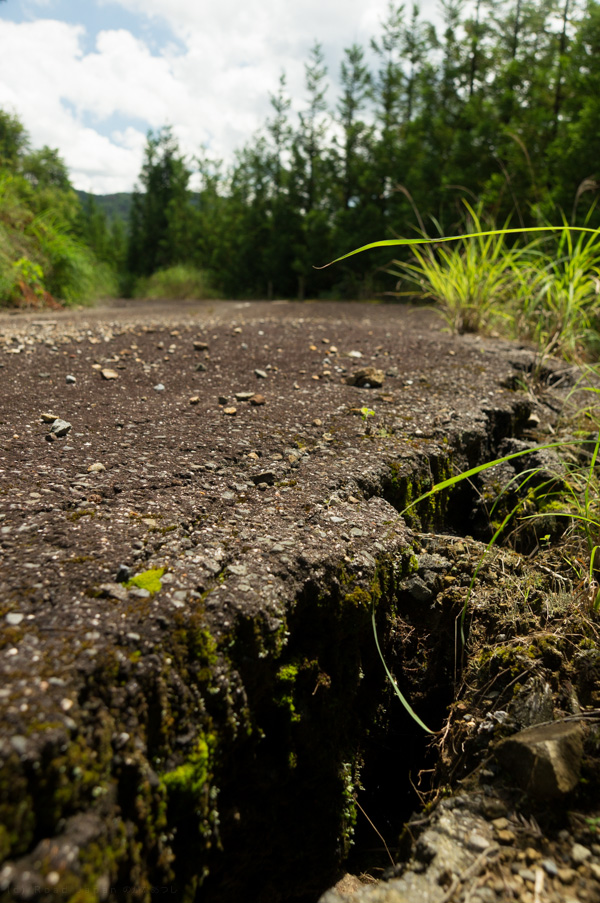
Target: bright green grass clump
[149,580]
[176,283]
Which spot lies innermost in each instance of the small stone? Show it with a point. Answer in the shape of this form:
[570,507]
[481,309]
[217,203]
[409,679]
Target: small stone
[13,618]
[477,842]
[159,388]
[317,422]
[98,467]
[567,876]
[200,368]
[231,412]
[70,379]
[195,399]
[48,418]
[66,704]
[579,853]
[370,378]
[114,591]
[107,373]
[266,476]
[506,837]
[355,354]
[137,592]
[60,428]
[549,867]
[500,824]
[544,760]
[19,744]
[50,437]
[258,400]
[527,875]
[244,396]
[200,346]
[52,878]
[123,574]
[261,374]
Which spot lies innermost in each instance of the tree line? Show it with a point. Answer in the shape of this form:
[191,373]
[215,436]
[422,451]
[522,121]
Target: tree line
[500,105]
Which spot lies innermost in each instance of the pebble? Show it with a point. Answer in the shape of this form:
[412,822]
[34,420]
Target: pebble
[13,618]
[244,396]
[261,374]
[123,574]
[60,428]
[70,379]
[231,412]
[107,373]
[258,400]
[200,368]
[195,399]
[137,592]
[98,467]
[114,591]
[549,867]
[159,388]
[200,346]
[48,418]
[579,853]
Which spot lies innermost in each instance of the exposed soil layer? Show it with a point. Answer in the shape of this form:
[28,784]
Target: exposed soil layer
[191,693]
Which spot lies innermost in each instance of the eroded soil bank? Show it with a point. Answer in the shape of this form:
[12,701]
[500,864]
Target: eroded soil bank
[192,699]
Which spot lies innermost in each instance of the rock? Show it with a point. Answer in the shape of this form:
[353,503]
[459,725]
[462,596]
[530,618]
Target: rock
[114,591]
[579,853]
[14,618]
[98,467]
[266,476]
[545,760]
[48,418]
[244,396]
[368,378]
[261,374]
[200,368]
[195,399]
[159,388]
[200,346]
[123,574]
[223,399]
[231,412]
[258,400]
[107,373]
[69,379]
[533,704]
[355,354]
[60,428]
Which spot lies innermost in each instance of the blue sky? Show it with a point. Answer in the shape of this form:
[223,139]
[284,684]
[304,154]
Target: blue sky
[90,77]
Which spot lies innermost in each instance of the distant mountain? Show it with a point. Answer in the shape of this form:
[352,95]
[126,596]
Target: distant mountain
[115,206]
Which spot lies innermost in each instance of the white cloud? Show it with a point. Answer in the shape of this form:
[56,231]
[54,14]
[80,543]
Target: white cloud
[213,87]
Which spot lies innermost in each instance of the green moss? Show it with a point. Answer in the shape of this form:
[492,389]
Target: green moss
[149,580]
[285,691]
[190,777]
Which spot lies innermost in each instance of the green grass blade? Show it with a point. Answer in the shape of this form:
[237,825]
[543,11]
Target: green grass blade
[403,242]
[451,481]
[397,690]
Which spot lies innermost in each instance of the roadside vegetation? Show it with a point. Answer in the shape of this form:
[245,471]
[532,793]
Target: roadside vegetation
[45,258]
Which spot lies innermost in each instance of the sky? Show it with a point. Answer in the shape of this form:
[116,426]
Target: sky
[91,77]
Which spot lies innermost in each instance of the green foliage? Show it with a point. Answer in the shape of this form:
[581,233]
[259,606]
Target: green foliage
[176,282]
[42,257]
